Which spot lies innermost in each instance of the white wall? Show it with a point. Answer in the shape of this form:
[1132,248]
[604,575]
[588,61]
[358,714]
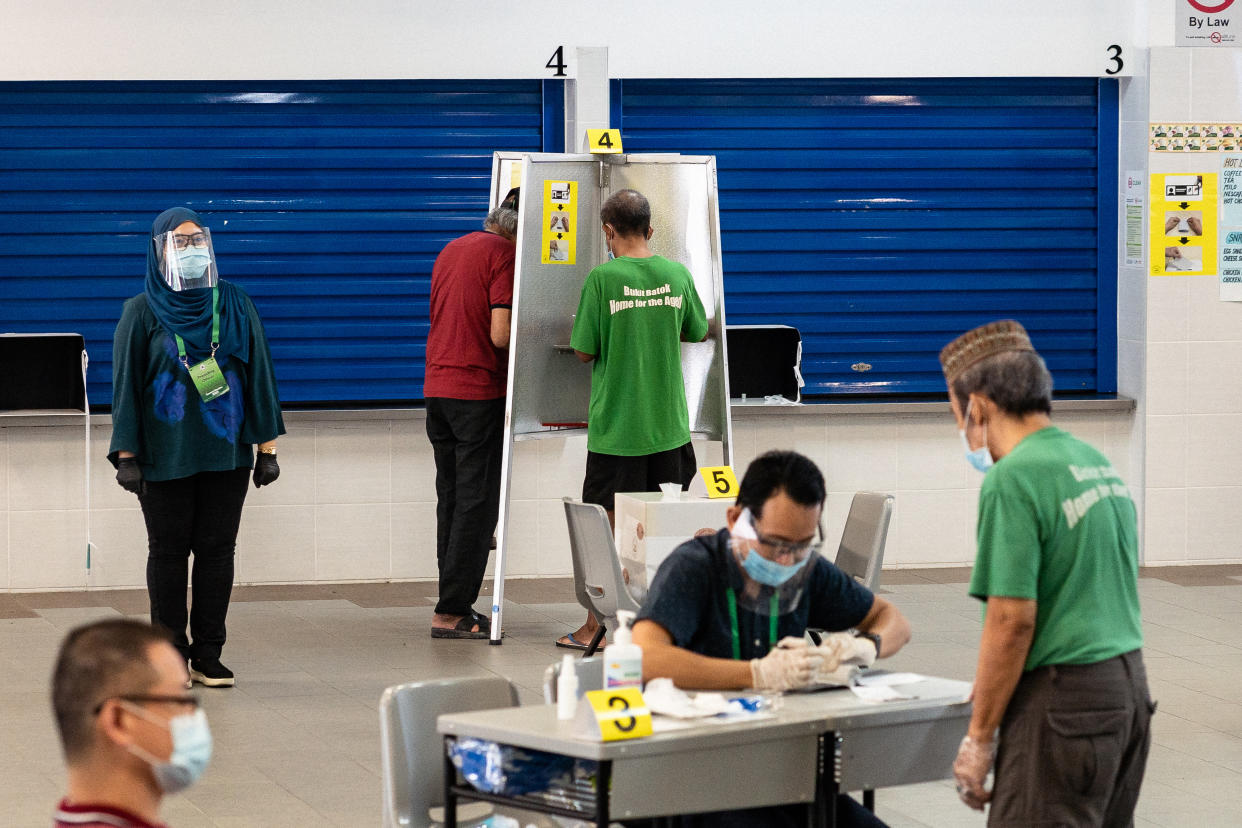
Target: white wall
[1193,412]
[315,39]
[356,498]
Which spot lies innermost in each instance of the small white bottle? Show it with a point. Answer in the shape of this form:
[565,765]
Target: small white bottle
[567,690]
[623,659]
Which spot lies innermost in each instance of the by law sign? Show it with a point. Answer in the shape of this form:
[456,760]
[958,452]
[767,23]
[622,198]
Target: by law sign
[1208,22]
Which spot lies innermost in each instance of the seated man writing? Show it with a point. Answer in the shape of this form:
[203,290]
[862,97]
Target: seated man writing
[729,610]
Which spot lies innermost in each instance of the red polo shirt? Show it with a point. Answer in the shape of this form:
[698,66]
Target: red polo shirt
[471,276]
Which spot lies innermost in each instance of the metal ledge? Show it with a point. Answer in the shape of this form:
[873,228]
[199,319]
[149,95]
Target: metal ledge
[754,409]
[749,410]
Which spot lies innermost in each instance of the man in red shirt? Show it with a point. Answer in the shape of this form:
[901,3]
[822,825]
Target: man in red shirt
[466,379]
[130,731]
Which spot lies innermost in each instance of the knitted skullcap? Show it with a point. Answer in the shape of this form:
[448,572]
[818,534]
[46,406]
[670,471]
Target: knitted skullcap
[979,344]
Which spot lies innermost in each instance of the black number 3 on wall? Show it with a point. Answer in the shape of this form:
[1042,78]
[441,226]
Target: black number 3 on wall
[1114,57]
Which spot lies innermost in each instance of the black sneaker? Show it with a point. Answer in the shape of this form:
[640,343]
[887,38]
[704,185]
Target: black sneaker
[209,672]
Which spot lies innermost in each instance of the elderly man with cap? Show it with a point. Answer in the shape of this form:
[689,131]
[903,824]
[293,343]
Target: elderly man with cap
[729,610]
[1060,669]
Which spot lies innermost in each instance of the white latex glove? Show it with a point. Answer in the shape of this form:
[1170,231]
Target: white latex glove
[787,667]
[971,768]
[833,649]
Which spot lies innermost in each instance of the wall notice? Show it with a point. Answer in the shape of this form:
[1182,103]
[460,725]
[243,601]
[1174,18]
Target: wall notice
[1134,218]
[1231,228]
[1183,224]
[1207,22]
[560,222]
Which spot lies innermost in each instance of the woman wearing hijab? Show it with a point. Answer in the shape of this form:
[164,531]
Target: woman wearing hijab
[192,392]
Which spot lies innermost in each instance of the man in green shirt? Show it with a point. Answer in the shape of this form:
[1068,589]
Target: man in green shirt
[1060,669]
[634,313]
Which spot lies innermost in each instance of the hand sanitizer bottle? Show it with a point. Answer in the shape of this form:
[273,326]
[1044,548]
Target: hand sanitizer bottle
[567,690]
[623,659]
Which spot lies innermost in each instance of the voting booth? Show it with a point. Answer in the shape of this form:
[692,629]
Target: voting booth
[559,241]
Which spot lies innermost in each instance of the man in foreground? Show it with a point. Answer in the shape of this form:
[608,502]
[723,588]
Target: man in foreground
[634,313]
[130,731]
[1060,670]
[729,610]
[465,385]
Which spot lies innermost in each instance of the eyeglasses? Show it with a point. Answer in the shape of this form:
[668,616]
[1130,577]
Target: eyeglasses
[181,242]
[183,701]
[795,550]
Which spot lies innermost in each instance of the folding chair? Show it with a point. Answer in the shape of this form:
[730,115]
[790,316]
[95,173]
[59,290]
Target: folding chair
[412,751]
[599,582]
[861,552]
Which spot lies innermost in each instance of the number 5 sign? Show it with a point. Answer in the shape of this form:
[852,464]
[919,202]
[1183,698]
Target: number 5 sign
[719,481]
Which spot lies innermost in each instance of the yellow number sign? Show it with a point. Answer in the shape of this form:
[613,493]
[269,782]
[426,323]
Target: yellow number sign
[604,140]
[620,714]
[720,481]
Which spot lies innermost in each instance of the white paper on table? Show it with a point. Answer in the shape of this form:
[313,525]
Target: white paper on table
[660,724]
[888,679]
[877,693]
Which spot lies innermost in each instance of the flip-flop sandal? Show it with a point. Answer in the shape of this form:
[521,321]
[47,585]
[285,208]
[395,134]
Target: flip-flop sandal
[463,628]
[572,644]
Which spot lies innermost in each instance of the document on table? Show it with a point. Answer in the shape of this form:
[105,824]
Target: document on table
[881,686]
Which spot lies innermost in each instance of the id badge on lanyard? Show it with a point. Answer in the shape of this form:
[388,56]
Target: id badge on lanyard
[206,375]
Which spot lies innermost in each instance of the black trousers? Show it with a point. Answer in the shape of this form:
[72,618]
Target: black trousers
[1073,745]
[196,515]
[467,438]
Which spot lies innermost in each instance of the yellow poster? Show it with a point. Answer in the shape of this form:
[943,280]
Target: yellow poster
[560,222]
[1183,224]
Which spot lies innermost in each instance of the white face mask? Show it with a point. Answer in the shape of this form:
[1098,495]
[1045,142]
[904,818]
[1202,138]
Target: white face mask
[191,738]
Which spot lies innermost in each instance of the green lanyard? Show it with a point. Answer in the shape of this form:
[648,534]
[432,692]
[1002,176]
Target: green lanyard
[215,330]
[773,605]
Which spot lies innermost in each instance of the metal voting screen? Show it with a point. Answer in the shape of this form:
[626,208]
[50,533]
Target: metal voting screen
[560,239]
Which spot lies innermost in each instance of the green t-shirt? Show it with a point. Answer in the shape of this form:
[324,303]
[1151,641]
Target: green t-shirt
[158,414]
[1057,525]
[633,315]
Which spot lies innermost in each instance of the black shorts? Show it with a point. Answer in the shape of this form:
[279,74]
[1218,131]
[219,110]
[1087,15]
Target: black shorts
[607,474]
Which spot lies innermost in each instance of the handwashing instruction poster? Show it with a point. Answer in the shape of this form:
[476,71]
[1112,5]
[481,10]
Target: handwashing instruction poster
[1183,224]
[560,222]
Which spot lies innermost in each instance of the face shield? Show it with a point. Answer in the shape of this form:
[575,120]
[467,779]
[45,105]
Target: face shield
[187,260]
[774,573]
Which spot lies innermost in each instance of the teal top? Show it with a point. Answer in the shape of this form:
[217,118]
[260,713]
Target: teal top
[157,412]
[1057,526]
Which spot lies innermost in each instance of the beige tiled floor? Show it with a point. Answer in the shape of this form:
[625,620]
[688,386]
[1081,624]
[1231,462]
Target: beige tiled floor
[297,739]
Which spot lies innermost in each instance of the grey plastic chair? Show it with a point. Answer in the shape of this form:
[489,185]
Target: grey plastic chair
[861,553]
[598,580]
[411,750]
[590,677]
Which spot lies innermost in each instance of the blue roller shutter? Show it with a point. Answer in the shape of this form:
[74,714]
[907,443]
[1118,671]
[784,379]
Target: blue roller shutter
[883,217]
[327,201]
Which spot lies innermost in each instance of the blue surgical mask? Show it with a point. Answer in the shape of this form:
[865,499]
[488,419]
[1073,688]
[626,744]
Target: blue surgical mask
[193,262]
[191,738]
[770,573]
[980,459]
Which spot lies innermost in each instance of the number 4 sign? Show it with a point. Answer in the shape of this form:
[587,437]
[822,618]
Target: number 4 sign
[604,141]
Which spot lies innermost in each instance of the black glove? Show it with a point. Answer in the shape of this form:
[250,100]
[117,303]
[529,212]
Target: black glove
[266,469]
[129,475]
